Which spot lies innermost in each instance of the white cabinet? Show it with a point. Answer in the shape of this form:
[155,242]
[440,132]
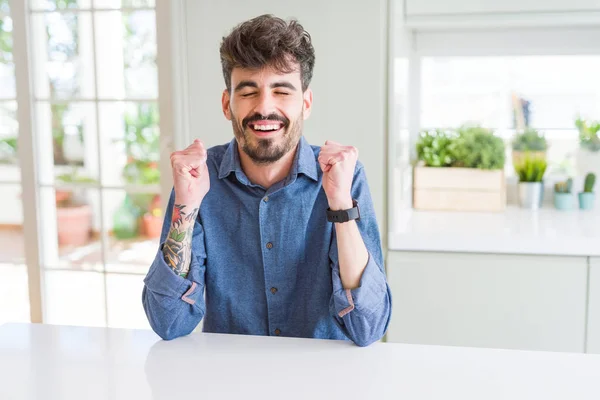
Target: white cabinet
[488,300]
[593,324]
[437,7]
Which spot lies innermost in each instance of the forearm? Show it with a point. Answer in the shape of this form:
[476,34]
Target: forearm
[177,249]
[352,252]
[174,305]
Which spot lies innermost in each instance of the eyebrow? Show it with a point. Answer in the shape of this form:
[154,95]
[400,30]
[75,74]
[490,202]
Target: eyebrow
[283,84]
[252,84]
[245,84]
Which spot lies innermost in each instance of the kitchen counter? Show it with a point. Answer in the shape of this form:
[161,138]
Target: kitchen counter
[60,362]
[515,231]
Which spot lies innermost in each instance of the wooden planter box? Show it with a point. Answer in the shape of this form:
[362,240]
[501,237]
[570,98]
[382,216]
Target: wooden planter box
[458,189]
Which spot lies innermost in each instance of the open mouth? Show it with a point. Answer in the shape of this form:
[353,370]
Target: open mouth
[265,128]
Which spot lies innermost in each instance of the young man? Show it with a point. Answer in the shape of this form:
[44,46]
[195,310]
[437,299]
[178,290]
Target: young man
[281,235]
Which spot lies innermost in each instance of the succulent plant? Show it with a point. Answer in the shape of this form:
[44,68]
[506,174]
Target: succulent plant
[590,181]
[589,134]
[531,169]
[564,186]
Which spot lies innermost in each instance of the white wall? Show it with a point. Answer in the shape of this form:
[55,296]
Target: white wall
[349,83]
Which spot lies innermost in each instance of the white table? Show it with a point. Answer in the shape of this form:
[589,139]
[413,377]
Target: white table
[58,362]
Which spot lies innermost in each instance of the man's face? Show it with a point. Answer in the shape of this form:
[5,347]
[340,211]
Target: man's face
[266,110]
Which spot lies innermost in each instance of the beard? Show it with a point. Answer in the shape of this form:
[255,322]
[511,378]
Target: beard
[268,150]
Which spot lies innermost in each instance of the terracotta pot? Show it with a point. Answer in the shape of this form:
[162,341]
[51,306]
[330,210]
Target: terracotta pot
[74,225]
[155,204]
[62,195]
[152,225]
[519,156]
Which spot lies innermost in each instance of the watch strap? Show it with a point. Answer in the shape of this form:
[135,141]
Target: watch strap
[344,215]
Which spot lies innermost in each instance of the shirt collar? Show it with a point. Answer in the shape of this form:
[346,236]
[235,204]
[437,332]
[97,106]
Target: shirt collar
[304,161]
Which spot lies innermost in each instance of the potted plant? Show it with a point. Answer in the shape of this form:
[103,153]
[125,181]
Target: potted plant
[435,148]
[587,197]
[531,172]
[152,220]
[142,148]
[588,153]
[478,147]
[528,142]
[74,214]
[563,198]
[459,170]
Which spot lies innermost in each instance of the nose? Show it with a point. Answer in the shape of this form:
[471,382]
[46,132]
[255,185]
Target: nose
[265,105]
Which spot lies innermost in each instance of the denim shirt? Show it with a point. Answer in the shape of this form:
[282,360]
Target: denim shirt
[265,261]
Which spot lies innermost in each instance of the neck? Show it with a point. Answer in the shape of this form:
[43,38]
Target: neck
[269,174]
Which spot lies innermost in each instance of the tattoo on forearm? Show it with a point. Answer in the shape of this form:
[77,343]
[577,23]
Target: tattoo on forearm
[178,247]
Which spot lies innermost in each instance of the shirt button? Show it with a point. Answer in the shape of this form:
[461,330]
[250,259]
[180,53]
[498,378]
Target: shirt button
[277,332]
[269,245]
[266,199]
[273,290]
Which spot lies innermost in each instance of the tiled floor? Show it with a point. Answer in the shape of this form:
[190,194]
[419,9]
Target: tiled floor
[80,293]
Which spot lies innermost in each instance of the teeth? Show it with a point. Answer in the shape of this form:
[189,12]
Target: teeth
[266,127]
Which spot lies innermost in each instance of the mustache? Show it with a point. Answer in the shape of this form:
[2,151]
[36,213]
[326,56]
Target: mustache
[260,117]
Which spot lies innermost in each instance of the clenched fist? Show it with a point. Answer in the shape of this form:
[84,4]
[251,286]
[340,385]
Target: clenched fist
[190,174]
[338,163]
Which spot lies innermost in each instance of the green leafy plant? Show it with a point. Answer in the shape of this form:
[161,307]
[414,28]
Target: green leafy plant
[434,148]
[478,147]
[141,143]
[564,186]
[141,133]
[589,134]
[531,169]
[590,181]
[529,140]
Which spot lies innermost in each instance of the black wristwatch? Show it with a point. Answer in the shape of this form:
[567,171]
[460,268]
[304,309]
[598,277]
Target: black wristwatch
[344,215]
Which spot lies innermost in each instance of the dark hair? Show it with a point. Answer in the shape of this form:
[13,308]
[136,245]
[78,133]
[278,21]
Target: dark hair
[268,41]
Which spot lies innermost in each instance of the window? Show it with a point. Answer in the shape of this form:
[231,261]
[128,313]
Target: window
[14,301]
[484,90]
[444,77]
[94,79]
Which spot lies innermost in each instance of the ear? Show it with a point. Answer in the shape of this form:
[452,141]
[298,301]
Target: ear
[307,102]
[225,102]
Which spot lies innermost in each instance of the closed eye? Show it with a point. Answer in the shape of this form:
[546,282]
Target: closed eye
[248,94]
[283,93]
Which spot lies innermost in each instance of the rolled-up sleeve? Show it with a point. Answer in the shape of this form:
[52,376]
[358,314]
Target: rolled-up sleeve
[362,313]
[173,304]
